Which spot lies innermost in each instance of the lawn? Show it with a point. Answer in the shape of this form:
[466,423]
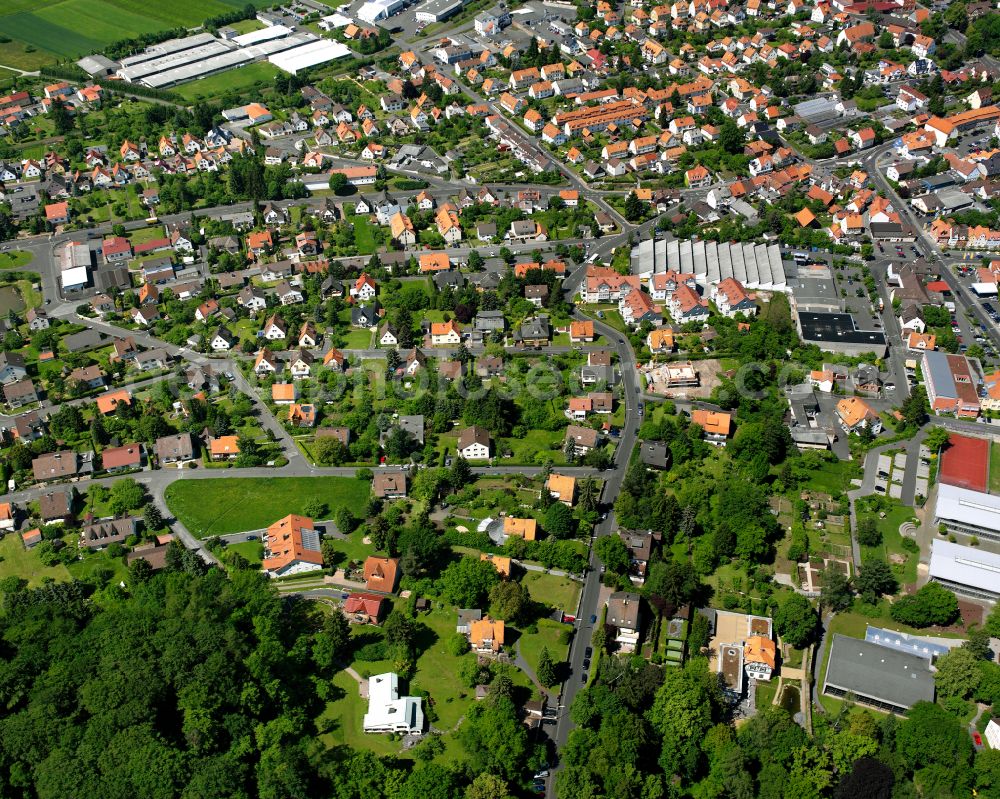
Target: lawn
[537,446]
[231,505]
[94,562]
[438,670]
[246,25]
[253,551]
[765,693]
[548,635]
[994,485]
[340,723]
[832,477]
[364,234]
[355,339]
[557,593]
[353,547]
[15,259]
[235,80]
[892,544]
[16,561]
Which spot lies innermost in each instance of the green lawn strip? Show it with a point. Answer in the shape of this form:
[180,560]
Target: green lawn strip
[994,485]
[231,505]
[16,561]
[358,339]
[364,234]
[15,259]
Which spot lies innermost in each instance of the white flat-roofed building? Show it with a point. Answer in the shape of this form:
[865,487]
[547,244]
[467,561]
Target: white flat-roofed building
[75,278]
[375,10]
[388,711]
[334,21]
[261,35]
[309,55]
[969,571]
[993,733]
[966,512]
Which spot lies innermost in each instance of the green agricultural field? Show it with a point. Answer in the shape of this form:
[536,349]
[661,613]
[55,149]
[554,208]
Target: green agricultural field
[235,80]
[56,25]
[233,504]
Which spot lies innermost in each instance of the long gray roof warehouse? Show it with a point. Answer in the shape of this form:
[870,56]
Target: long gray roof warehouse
[877,676]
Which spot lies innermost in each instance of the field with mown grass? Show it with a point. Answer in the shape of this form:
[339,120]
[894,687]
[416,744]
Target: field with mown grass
[225,505]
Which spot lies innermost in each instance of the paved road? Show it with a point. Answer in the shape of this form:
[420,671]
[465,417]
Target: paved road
[612,485]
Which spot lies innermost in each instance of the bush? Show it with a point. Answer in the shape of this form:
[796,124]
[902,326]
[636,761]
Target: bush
[372,652]
[868,533]
[909,545]
[931,605]
[457,645]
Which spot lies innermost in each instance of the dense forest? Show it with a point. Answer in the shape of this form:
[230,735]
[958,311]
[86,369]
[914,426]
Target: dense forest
[649,733]
[191,683]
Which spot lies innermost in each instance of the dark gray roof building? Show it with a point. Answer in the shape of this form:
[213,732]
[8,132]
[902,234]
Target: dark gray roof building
[882,678]
[655,454]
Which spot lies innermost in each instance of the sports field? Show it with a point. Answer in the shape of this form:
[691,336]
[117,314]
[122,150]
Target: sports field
[965,462]
[78,27]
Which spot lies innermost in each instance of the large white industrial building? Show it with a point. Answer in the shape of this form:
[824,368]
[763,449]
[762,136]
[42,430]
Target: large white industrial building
[755,266]
[968,571]
[375,10]
[966,512]
[177,61]
[309,55]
